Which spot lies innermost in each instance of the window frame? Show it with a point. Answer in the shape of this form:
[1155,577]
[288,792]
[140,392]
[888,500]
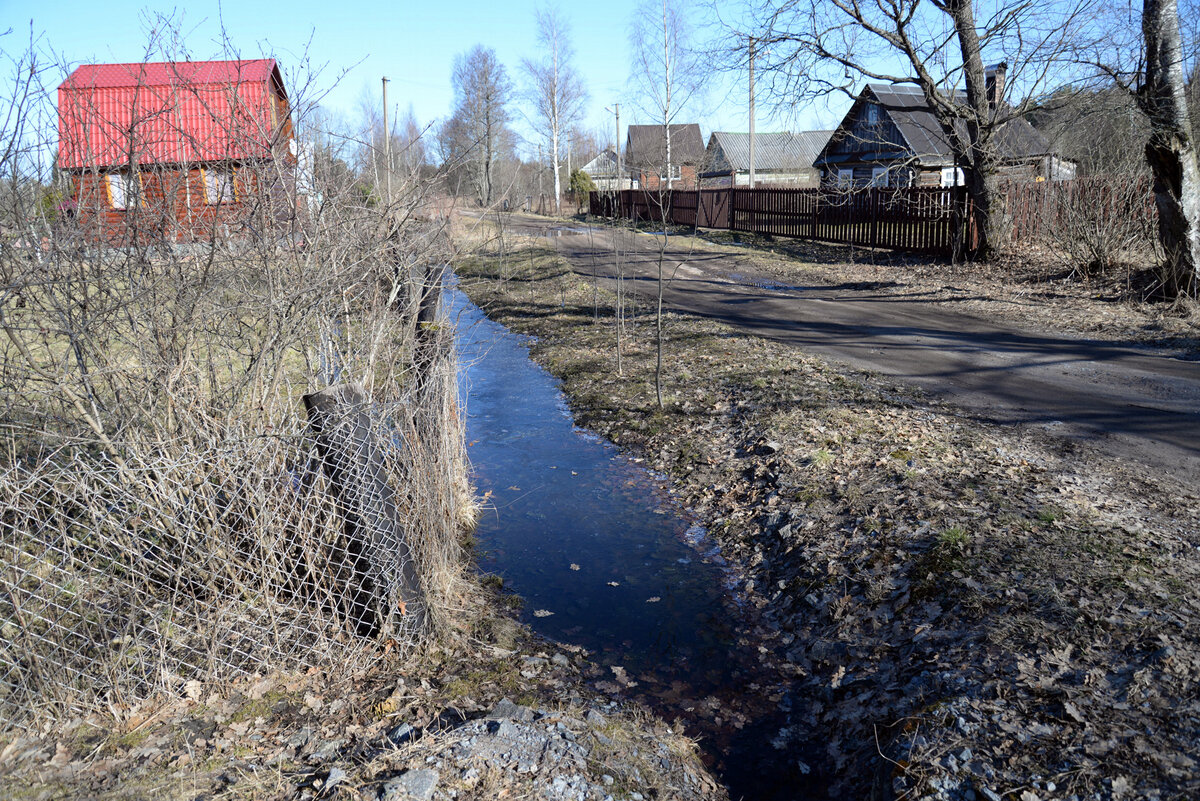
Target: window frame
[845,178]
[223,193]
[957,176]
[130,187]
[876,173]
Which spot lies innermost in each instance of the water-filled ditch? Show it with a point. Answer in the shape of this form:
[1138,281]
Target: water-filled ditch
[606,559]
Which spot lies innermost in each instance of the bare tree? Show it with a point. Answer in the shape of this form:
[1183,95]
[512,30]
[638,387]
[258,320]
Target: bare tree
[476,133]
[555,89]
[822,47]
[670,76]
[1171,149]
[667,72]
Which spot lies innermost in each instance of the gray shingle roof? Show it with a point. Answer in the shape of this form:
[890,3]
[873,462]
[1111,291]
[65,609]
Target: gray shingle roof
[906,106]
[772,151]
[645,146]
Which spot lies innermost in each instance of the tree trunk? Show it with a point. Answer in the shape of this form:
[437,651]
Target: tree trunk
[988,218]
[1171,149]
[989,211]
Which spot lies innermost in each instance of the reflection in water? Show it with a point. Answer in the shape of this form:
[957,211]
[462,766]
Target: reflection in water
[586,535]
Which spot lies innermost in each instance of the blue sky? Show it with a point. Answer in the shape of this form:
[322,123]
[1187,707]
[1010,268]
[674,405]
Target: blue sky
[413,43]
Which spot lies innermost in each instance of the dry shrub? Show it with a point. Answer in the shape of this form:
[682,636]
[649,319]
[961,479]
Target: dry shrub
[165,516]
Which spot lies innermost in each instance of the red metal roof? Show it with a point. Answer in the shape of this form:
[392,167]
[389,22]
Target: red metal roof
[169,112]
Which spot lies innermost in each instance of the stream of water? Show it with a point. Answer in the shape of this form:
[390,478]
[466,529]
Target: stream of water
[606,559]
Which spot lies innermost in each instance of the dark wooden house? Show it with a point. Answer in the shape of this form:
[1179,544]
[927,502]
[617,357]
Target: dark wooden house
[177,151]
[646,156]
[891,138]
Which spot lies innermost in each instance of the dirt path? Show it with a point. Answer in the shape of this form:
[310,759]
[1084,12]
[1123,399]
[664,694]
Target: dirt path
[1130,400]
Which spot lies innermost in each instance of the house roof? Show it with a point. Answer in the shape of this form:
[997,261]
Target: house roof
[1015,139]
[604,164]
[168,112]
[772,151]
[645,145]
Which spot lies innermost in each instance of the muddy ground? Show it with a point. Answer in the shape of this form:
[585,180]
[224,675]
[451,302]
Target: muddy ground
[964,611]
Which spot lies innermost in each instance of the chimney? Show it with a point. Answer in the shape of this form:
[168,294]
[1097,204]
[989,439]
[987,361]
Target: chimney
[994,83]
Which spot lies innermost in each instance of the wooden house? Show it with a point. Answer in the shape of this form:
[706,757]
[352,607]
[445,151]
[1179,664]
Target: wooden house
[646,156]
[782,159]
[177,151]
[603,172]
[890,137]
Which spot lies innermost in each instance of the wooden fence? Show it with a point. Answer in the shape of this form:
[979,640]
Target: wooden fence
[918,220]
[924,220]
[1041,212]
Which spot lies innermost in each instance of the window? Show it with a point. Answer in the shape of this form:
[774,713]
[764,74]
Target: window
[845,179]
[122,189]
[675,173]
[953,176]
[218,186]
[879,176]
[872,114]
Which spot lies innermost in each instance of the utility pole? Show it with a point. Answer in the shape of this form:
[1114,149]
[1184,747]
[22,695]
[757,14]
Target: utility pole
[616,110]
[387,145]
[750,40]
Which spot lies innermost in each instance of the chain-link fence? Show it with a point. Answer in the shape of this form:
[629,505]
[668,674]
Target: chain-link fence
[229,438]
[269,550]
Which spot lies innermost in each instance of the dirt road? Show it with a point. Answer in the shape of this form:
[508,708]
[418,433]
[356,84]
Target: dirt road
[1131,401]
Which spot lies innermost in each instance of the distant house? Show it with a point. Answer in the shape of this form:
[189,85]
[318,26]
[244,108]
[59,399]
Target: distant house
[890,137]
[603,172]
[177,151]
[646,155]
[780,159]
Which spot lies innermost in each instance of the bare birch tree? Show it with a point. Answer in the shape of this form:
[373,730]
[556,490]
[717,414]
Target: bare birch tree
[670,75]
[555,89]
[667,73]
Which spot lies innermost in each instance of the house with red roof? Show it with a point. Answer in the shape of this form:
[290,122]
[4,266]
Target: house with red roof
[177,151]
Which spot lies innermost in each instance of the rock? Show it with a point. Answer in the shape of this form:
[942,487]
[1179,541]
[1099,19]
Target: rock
[415,785]
[398,735]
[326,751]
[336,777]
[507,709]
[300,738]
[561,660]
[594,719]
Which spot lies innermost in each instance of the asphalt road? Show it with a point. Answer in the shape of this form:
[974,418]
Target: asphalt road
[1130,401]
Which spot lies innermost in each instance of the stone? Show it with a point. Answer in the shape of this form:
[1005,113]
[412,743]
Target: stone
[594,718]
[398,735]
[336,777]
[561,660]
[507,709]
[300,738]
[415,785]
